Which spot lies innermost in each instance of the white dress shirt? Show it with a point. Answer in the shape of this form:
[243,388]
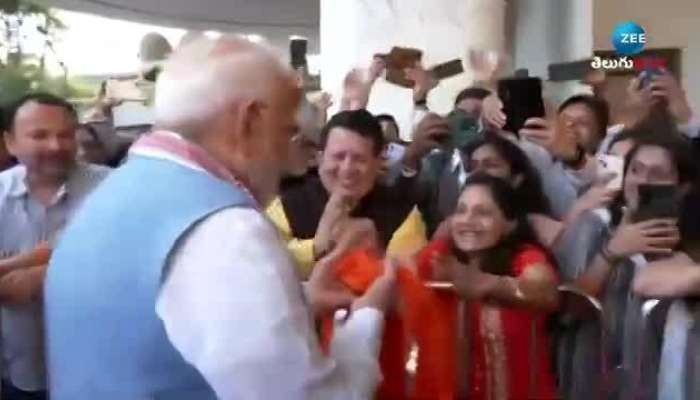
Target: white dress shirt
[234,307]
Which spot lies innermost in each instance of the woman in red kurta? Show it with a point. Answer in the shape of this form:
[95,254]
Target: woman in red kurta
[508,284]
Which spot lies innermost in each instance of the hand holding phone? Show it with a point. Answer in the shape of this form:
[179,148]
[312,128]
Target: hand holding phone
[657,202]
[647,76]
[398,61]
[522,100]
[394,152]
[646,234]
[447,69]
[610,168]
[538,130]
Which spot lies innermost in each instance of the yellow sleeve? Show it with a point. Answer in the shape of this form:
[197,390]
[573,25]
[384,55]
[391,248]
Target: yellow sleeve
[410,237]
[302,249]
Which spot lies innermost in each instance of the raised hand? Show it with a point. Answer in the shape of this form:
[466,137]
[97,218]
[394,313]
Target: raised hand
[376,68]
[352,233]
[656,236]
[382,293]
[666,87]
[540,131]
[323,101]
[492,112]
[486,64]
[337,209]
[596,197]
[325,292]
[424,82]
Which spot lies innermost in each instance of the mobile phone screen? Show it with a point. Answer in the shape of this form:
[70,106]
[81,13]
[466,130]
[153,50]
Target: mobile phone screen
[610,166]
[657,201]
[394,152]
[522,99]
[448,69]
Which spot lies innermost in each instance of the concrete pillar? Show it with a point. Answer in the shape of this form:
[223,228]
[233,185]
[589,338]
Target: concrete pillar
[353,30]
[551,31]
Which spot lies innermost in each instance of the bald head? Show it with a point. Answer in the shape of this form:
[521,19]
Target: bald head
[204,76]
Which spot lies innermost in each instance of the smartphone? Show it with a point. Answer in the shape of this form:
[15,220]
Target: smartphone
[611,165]
[448,69]
[569,71]
[647,76]
[297,52]
[522,99]
[463,129]
[657,201]
[394,152]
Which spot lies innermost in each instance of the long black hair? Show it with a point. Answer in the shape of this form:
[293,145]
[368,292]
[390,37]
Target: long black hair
[529,192]
[498,260]
[682,158]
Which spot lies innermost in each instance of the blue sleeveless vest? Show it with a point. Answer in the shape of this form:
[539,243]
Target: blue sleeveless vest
[104,338]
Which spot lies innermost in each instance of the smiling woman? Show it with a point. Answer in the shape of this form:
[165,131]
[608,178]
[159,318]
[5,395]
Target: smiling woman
[494,261]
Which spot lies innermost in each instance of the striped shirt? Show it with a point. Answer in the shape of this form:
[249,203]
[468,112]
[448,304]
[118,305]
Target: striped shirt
[25,222]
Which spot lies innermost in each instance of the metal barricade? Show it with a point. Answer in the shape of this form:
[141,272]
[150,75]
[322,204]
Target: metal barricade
[577,307]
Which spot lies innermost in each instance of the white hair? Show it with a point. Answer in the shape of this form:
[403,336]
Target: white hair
[196,82]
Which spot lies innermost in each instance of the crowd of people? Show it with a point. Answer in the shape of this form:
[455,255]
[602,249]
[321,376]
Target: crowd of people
[250,246]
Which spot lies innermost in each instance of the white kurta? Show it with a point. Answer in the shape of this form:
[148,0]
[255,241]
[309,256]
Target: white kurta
[234,307]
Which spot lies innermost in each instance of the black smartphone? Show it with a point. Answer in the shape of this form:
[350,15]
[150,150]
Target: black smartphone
[569,71]
[522,99]
[657,201]
[297,52]
[448,69]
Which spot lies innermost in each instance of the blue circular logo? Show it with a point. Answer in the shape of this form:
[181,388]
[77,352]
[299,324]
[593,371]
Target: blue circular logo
[628,38]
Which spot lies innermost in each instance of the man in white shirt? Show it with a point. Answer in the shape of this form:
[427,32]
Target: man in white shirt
[37,198]
[171,283]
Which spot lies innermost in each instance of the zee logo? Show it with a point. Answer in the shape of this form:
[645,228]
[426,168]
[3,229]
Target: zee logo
[628,38]
[634,38]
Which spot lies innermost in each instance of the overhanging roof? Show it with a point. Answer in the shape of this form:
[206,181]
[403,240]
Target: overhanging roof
[274,19]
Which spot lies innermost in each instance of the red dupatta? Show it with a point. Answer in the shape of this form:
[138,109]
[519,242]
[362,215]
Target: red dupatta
[416,321]
[429,319]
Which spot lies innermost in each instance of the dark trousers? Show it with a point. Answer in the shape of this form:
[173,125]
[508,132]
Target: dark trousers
[10,392]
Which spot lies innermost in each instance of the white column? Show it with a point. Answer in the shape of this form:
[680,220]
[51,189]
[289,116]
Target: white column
[552,31]
[354,30]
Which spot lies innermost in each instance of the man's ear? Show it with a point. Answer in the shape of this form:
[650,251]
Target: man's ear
[245,119]
[248,113]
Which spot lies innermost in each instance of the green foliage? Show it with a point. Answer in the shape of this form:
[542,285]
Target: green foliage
[21,72]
